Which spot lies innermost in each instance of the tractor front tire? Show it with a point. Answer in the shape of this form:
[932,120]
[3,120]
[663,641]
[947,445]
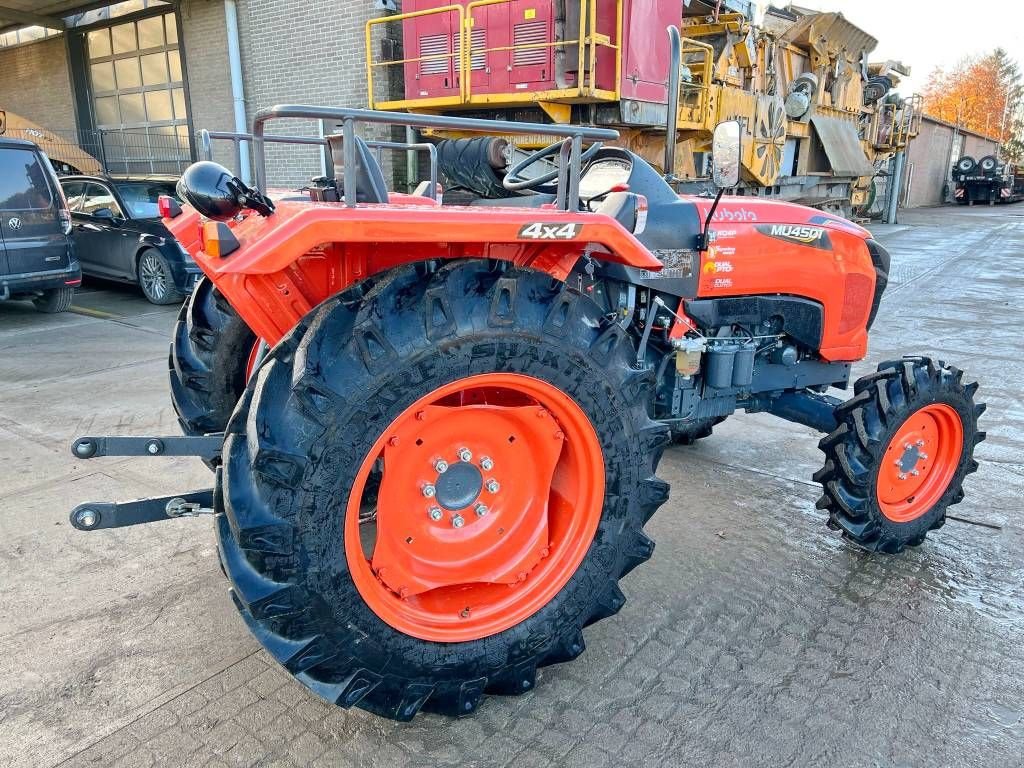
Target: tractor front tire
[899,455]
[210,359]
[429,492]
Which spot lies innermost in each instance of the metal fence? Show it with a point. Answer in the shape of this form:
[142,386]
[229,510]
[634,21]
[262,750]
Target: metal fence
[129,151]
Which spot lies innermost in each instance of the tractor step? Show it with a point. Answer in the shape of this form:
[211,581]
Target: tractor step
[206,447]
[92,516]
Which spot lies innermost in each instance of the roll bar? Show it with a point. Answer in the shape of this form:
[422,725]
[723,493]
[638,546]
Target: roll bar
[568,185]
[206,148]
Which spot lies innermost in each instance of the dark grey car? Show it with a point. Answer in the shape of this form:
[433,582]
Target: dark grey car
[37,257]
[119,236]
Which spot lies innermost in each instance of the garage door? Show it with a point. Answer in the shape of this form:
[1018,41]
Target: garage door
[138,96]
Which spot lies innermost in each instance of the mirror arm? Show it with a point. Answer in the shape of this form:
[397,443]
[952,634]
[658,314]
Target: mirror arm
[703,240]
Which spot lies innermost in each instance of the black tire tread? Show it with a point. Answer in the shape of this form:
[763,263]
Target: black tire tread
[264,463]
[882,401]
[464,165]
[55,300]
[208,357]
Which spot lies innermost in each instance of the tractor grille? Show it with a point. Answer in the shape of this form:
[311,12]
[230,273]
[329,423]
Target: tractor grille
[434,45]
[530,33]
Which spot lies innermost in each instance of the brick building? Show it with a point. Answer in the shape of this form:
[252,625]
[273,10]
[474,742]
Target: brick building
[132,82]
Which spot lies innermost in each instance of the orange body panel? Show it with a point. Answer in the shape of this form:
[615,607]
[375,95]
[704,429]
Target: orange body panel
[746,259]
[305,252]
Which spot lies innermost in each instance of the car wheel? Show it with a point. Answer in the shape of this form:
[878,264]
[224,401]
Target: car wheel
[155,278]
[55,300]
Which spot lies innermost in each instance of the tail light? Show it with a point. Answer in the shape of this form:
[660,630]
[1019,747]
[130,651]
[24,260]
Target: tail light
[168,207]
[64,216]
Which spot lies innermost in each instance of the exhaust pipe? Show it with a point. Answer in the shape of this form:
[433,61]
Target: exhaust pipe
[674,76]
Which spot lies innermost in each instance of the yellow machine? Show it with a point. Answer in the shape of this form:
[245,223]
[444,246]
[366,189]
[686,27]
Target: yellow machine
[820,121]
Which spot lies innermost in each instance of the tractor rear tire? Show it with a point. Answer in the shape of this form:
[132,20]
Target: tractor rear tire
[209,361]
[898,458]
[329,405]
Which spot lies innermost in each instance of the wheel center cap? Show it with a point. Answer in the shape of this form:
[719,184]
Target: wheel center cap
[459,486]
[909,458]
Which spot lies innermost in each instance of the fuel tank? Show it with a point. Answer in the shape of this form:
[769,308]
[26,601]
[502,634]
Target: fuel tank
[761,247]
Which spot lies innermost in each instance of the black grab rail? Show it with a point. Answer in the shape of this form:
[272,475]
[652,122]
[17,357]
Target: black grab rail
[568,186]
[206,139]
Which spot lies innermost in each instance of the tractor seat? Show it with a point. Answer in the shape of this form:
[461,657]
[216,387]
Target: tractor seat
[370,184]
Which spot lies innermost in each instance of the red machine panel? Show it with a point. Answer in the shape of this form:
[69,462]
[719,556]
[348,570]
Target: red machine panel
[512,48]
[646,52]
[434,39]
[531,24]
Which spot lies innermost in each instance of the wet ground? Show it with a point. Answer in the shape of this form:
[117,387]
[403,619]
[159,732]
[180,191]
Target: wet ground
[755,636]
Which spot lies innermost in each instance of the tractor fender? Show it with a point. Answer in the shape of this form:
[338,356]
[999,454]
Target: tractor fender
[287,263]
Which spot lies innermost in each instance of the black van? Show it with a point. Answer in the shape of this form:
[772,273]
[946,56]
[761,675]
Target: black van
[37,257]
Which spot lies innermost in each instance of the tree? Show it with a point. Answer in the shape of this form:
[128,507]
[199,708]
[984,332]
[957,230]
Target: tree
[984,94]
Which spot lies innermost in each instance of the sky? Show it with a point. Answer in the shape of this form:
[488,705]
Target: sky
[925,34]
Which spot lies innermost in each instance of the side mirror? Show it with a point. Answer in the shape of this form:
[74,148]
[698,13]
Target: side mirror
[725,156]
[725,153]
[104,213]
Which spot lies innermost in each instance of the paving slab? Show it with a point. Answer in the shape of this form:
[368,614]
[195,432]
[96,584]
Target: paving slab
[755,636]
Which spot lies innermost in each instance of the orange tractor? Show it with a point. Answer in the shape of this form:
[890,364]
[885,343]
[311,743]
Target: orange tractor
[435,429]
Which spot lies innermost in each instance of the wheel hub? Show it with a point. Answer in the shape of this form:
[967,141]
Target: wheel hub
[459,486]
[480,536]
[919,462]
[486,497]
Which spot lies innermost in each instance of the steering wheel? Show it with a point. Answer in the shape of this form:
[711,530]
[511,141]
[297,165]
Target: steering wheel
[515,182]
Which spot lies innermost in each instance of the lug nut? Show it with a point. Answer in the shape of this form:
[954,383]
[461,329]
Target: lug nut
[441,466]
[480,509]
[907,446]
[486,464]
[435,513]
[458,522]
[923,456]
[465,454]
[429,491]
[493,486]
[914,472]
[903,476]
[920,443]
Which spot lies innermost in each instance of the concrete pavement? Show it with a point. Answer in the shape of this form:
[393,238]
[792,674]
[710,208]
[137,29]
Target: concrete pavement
[755,636]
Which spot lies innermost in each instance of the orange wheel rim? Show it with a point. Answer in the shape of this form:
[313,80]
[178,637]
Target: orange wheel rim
[488,494]
[919,463]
